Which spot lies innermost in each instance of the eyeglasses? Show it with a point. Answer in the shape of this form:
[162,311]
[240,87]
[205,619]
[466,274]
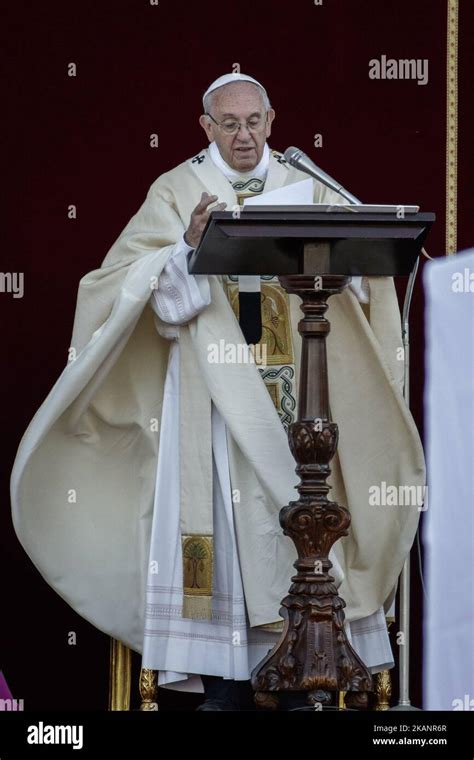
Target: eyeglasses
[231,127]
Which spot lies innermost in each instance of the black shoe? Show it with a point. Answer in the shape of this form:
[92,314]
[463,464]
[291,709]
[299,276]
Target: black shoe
[225,694]
[215,704]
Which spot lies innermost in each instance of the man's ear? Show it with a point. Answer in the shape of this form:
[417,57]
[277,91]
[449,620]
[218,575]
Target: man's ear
[270,116]
[205,123]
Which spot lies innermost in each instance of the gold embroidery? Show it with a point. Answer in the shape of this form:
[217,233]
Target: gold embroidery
[198,557]
[452,128]
[274,391]
[276,324]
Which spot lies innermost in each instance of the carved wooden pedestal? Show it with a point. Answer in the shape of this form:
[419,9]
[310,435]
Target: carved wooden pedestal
[313,653]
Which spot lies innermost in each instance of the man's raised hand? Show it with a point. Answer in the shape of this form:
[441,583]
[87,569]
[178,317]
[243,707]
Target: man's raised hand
[199,218]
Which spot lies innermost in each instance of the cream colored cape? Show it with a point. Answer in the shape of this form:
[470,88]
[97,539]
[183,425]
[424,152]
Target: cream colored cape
[83,481]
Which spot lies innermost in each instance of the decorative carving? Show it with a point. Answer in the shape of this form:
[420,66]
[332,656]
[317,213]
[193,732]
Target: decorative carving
[313,653]
[357,700]
[266,700]
[383,690]
[148,689]
[319,697]
[383,684]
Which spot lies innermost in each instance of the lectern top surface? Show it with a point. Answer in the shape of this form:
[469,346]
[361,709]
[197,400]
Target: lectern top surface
[317,208]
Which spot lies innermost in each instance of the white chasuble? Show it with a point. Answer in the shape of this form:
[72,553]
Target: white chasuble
[102,430]
[178,647]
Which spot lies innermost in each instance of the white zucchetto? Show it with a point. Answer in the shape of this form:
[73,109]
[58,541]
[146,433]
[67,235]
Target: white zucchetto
[229,78]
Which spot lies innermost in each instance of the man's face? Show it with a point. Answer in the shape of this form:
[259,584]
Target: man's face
[238,102]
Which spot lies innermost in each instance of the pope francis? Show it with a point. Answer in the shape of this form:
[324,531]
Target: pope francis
[147,487]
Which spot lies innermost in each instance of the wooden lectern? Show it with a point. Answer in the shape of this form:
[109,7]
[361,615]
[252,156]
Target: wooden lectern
[314,253]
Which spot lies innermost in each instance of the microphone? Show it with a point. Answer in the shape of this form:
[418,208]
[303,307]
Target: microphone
[301,161]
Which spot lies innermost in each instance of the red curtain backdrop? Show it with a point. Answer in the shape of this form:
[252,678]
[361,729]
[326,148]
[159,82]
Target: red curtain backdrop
[85,140]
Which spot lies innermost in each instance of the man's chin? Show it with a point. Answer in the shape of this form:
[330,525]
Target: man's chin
[245,160]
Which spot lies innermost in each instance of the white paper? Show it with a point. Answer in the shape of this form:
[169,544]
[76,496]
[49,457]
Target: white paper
[296,194]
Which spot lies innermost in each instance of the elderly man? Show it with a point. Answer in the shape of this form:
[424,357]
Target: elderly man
[148,485]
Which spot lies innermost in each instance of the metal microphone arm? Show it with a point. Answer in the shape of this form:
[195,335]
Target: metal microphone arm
[348,196]
[301,161]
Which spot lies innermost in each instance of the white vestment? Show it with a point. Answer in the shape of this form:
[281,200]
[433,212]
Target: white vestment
[83,485]
[226,645]
[448,528]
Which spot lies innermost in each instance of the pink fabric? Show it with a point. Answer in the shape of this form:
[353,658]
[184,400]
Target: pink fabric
[5,692]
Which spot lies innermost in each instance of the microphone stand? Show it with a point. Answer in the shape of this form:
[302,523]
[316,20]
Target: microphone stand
[404,702]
